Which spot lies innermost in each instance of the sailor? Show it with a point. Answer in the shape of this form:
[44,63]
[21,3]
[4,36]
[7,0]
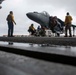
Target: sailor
[32,29]
[68,21]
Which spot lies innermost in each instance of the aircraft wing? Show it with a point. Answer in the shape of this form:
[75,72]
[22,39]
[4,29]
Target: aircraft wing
[1,1]
[62,23]
[73,25]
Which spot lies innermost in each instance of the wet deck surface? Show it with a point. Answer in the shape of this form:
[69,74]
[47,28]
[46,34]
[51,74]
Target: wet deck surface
[56,49]
[13,64]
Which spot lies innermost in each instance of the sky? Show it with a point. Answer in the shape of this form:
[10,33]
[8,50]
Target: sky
[21,7]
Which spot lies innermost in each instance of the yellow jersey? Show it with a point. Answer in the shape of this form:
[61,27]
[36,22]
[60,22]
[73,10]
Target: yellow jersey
[68,20]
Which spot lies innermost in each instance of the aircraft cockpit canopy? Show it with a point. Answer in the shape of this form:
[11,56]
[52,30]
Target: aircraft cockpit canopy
[35,12]
[45,13]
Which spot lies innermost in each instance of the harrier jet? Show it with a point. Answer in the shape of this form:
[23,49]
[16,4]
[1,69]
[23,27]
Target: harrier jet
[1,3]
[43,19]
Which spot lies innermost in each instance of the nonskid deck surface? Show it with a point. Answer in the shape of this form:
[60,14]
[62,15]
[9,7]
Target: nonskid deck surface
[66,41]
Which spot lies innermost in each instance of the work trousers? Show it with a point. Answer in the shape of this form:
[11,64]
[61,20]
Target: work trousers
[68,27]
[10,29]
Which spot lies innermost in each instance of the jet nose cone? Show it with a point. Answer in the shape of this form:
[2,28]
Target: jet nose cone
[29,15]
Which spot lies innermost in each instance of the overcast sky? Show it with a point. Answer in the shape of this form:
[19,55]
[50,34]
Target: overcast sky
[21,7]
